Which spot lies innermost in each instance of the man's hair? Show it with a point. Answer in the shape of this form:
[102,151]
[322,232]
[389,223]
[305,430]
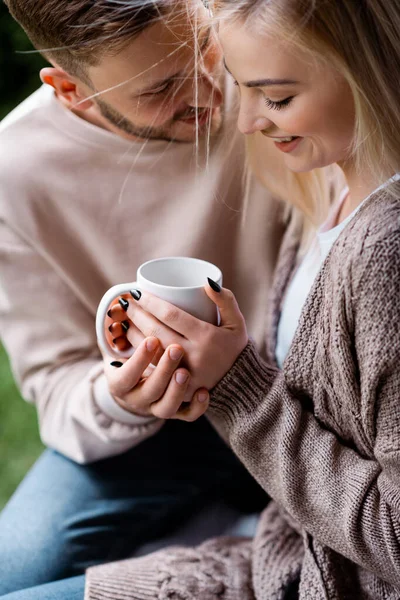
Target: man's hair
[77,33]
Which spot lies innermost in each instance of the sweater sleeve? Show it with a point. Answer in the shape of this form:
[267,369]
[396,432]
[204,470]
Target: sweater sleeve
[347,501]
[219,568]
[50,339]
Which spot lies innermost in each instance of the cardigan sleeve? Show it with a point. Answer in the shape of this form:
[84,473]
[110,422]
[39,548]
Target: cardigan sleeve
[50,339]
[347,501]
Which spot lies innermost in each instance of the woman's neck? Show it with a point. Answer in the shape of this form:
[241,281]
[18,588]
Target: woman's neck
[361,185]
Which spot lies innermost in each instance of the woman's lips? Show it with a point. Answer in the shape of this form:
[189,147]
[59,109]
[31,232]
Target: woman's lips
[288,146]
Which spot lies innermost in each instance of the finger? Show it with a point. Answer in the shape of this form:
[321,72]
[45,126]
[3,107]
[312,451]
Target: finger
[116,312]
[169,315]
[128,330]
[158,355]
[156,385]
[197,407]
[121,343]
[119,328]
[168,406]
[149,325]
[226,303]
[115,333]
[136,337]
[124,379]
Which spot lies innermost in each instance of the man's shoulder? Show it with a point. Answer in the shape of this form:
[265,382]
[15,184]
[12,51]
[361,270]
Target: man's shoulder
[24,129]
[27,111]
[30,138]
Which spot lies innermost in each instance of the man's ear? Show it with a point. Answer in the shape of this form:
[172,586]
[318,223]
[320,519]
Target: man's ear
[68,89]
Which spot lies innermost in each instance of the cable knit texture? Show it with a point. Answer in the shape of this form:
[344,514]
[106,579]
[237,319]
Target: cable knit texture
[219,568]
[322,437]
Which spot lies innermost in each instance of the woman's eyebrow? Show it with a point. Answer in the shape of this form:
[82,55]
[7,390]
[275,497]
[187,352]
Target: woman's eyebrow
[269,82]
[265,82]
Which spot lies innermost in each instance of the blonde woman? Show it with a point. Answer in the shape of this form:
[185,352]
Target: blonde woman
[318,425]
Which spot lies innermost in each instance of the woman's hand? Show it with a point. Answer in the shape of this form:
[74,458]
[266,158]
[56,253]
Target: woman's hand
[209,351]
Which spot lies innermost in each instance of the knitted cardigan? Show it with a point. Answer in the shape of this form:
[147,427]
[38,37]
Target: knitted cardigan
[322,436]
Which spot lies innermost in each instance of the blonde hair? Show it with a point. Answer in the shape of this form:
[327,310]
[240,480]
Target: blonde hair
[360,39]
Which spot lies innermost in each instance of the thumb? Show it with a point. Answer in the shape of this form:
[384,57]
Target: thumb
[226,303]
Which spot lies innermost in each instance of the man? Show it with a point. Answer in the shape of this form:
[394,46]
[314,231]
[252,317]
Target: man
[129,152]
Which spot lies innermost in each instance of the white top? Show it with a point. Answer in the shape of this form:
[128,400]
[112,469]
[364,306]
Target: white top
[80,209]
[304,277]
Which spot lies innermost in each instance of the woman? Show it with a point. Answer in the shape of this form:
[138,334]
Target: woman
[318,425]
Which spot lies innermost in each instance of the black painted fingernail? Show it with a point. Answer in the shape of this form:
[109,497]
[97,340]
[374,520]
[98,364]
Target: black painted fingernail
[114,341]
[214,285]
[124,303]
[125,325]
[136,294]
[116,364]
[109,314]
[110,328]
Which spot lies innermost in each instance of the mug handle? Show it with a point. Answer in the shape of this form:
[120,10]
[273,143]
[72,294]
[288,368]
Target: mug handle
[104,305]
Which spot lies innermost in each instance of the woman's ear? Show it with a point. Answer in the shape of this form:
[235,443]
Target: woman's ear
[68,89]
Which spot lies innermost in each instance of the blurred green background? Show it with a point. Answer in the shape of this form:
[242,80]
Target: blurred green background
[19,438]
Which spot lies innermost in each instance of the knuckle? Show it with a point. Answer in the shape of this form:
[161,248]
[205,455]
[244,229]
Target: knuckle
[229,295]
[164,373]
[152,332]
[170,315]
[209,337]
[204,329]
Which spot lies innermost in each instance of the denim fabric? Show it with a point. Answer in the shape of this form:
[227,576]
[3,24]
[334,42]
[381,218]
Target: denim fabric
[68,589]
[65,517]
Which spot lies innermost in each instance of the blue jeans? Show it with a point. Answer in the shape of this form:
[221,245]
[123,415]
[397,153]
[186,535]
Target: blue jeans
[67,589]
[65,517]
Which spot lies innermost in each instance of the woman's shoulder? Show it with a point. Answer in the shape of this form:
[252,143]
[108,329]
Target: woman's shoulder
[377,224]
[369,249]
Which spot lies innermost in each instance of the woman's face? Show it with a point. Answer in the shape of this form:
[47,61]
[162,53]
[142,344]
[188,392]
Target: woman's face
[306,107]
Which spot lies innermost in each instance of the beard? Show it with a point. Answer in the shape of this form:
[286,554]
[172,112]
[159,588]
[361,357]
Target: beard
[163,133]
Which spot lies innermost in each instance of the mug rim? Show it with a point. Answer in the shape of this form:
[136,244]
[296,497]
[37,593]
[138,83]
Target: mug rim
[174,258]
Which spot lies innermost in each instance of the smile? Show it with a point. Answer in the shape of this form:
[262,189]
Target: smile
[285,144]
[285,139]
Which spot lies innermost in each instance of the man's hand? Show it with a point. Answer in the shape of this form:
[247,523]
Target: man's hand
[159,391]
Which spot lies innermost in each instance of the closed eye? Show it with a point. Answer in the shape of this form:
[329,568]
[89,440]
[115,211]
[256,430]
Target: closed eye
[278,105]
[160,91]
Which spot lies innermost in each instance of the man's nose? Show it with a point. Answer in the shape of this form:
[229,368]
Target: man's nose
[206,92]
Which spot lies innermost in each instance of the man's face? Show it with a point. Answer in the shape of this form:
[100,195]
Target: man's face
[165,84]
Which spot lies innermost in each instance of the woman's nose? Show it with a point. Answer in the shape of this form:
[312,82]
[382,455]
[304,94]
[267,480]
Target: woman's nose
[250,120]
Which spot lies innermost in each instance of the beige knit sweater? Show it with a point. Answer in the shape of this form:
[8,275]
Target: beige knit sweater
[322,436]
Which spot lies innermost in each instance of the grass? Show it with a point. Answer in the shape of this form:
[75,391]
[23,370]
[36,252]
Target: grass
[19,438]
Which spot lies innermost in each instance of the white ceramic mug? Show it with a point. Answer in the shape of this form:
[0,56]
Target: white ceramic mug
[177,280]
